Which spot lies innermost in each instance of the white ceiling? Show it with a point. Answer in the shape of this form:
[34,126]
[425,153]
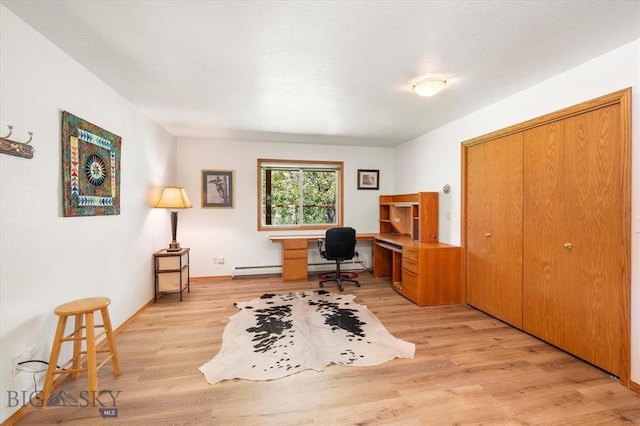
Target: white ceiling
[336,72]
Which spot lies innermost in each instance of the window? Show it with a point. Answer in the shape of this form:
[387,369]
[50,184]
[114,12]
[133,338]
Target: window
[299,194]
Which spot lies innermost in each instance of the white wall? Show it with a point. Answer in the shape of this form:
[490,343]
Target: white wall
[233,233]
[47,259]
[436,155]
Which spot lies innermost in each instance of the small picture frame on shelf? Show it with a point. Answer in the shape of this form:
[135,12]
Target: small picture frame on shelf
[217,188]
[368,179]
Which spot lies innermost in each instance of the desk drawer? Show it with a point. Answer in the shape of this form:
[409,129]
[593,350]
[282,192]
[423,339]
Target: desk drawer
[410,254]
[295,244]
[295,253]
[410,284]
[410,260]
[294,270]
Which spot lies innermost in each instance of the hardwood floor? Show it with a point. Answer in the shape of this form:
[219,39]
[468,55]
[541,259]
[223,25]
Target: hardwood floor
[469,368]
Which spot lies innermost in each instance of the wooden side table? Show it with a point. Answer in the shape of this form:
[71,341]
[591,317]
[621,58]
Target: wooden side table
[171,272]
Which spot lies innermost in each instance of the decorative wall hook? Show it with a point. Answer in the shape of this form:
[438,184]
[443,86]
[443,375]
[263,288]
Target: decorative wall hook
[19,149]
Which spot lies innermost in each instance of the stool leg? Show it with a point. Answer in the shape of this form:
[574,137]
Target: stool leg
[106,320]
[53,360]
[92,369]
[77,344]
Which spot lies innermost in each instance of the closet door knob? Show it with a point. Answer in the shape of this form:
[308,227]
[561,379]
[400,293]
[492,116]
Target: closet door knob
[568,245]
[487,235]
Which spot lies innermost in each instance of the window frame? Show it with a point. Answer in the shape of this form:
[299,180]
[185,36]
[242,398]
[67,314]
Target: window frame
[339,165]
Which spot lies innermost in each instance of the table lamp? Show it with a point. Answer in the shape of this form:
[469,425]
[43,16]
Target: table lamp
[174,198]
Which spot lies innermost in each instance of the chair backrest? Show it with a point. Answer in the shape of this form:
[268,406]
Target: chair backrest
[340,242]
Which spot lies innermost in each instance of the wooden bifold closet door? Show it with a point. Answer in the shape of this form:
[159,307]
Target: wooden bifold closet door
[547,228]
[574,256]
[494,228]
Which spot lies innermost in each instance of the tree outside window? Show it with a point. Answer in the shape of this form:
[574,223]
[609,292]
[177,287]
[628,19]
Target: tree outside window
[299,194]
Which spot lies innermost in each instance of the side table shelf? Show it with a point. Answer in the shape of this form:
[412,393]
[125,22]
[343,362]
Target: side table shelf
[171,274]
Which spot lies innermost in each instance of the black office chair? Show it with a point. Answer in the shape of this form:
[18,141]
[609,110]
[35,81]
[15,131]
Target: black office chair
[339,245]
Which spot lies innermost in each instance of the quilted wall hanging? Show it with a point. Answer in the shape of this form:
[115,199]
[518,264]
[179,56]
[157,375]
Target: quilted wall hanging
[90,168]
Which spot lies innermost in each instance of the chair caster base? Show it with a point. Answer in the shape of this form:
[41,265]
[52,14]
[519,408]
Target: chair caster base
[339,282]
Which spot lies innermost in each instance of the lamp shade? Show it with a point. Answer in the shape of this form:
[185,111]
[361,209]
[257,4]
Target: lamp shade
[429,87]
[174,197]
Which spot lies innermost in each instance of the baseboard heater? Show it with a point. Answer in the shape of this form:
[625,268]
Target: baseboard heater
[241,271]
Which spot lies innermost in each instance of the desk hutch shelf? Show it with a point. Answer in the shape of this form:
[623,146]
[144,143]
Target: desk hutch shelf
[410,214]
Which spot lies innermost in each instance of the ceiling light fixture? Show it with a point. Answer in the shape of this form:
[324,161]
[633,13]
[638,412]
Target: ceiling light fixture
[429,87]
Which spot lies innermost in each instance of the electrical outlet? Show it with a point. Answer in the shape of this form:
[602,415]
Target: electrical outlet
[26,355]
[220,260]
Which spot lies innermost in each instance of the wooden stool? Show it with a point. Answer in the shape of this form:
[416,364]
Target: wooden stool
[83,310]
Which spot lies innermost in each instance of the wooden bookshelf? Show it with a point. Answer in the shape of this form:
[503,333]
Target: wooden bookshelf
[415,215]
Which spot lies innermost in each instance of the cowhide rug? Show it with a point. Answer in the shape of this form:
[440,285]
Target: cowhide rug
[276,335]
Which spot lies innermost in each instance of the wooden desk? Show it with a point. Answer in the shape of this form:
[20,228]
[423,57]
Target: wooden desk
[294,253]
[425,273]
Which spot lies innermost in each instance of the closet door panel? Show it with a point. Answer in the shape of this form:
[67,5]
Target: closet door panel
[480,255]
[494,228]
[544,233]
[596,231]
[506,226]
